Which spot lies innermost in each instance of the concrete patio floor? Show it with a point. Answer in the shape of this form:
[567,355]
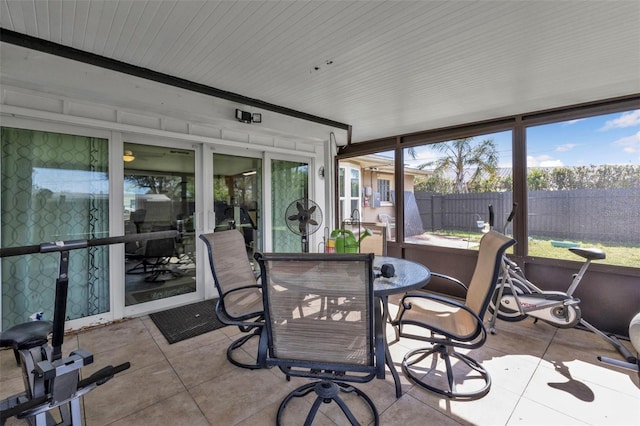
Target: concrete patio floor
[541,376]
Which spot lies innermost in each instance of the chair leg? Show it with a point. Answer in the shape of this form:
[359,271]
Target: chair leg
[474,365]
[327,392]
[420,378]
[296,393]
[237,344]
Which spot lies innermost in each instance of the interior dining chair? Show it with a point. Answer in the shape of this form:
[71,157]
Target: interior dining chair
[448,324]
[240,297]
[321,323]
[153,256]
[157,258]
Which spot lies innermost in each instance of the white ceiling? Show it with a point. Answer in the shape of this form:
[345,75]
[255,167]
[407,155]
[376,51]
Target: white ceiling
[384,67]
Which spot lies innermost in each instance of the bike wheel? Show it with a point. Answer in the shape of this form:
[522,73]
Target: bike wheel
[507,313]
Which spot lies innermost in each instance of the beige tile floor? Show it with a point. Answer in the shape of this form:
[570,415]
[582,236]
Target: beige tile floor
[541,376]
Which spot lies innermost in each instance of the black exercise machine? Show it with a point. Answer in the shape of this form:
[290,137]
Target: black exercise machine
[52,381]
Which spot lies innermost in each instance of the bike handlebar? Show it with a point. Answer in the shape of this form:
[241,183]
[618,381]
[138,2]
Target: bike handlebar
[103,375]
[514,209]
[491,215]
[513,212]
[100,377]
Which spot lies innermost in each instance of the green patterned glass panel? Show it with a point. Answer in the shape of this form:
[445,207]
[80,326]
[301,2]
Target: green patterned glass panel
[54,187]
[289,182]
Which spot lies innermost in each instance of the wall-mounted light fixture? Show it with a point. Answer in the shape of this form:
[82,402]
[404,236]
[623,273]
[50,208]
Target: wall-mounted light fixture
[128,156]
[247,117]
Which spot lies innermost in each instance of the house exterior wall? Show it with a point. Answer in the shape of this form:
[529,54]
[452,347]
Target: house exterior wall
[46,92]
[53,90]
[370,213]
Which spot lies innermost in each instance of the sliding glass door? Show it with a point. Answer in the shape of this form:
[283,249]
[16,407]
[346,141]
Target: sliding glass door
[289,184]
[237,198]
[55,187]
[159,195]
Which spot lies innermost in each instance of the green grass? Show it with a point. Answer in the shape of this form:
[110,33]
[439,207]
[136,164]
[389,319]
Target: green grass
[617,253]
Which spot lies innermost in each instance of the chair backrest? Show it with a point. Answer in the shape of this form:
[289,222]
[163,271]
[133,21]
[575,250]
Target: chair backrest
[162,247]
[137,217]
[230,266]
[130,247]
[387,220]
[319,311]
[485,276]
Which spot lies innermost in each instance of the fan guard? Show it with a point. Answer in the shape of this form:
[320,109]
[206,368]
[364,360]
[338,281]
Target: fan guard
[303,217]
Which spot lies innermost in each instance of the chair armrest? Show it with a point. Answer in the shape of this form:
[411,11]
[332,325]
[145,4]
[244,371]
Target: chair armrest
[449,278]
[240,322]
[245,287]
[243,324]
[447,301]
[424,295]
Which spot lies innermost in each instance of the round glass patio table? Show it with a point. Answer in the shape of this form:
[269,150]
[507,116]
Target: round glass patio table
[407,276]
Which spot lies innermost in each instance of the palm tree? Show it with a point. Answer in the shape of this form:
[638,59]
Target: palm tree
[468,160]
[411,151]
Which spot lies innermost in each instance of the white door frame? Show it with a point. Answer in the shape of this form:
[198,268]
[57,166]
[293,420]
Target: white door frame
[316,193]
[199,294]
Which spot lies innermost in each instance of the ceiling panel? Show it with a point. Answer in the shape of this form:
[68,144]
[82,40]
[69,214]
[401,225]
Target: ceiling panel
[384,67]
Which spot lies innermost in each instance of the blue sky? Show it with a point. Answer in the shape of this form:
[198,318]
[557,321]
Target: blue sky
[605,139]
[65,180]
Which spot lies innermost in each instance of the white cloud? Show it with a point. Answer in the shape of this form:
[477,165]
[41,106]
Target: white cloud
[423,155]
[566,147]
[627,119]
[543,161]
[629,144]
[570,122]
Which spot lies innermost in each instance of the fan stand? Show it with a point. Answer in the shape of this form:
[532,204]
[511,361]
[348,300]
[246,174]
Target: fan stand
[302,217]
[304,236]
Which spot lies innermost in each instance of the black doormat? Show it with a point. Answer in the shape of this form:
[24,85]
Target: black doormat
[188,321]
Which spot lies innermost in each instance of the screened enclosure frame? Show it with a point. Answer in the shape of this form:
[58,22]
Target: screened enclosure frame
[517,124]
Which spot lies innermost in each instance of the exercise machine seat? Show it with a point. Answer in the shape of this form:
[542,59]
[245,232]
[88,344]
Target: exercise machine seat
[26,335]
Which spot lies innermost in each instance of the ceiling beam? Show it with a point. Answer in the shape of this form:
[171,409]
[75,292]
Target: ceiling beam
[49,47]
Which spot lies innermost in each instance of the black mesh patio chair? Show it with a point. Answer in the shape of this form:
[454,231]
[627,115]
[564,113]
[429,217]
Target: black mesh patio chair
[153,256]
[157,258]
[321,322]
[240,297]
[449,323]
